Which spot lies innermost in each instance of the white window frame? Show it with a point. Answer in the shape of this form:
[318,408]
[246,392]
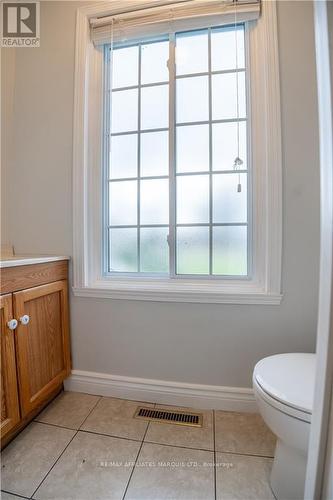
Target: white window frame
[264,285]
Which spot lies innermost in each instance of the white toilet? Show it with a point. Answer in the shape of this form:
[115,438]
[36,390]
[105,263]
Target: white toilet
[283,387]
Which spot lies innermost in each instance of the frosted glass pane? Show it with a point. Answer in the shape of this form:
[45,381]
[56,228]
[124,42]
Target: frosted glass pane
[192,99]
[125,67]
[193,250]
[224,48]
[192,52]
[192,199]
[224,95]
[154,250]
[123,203]
[155,107]
[154,59]
[154,154]
[154,201]
[229,205]
[123,250]
[230,250]
[225,145]
[192,148]
[124,111]
[124,156]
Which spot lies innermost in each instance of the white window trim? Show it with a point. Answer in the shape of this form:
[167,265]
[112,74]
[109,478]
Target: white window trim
[265,285]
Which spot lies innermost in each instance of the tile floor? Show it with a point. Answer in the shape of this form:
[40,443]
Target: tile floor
[84,447]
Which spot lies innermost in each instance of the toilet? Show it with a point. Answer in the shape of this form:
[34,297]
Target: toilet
[284,387]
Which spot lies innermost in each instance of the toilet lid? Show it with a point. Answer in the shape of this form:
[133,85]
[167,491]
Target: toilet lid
[289,378]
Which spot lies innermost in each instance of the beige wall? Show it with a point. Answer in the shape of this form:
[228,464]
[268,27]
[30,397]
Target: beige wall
[208,344]
[7,119]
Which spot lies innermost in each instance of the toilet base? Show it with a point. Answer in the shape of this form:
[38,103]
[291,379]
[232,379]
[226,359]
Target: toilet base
[288,472]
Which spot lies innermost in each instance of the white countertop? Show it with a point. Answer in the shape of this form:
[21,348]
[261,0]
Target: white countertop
[26,260]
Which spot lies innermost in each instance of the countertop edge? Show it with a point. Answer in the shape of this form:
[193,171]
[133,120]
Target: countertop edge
[28,261]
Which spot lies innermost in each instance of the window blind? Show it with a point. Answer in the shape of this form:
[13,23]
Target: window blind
[130,20]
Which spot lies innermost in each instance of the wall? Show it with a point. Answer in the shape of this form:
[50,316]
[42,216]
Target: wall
[328,474]
[206,344]
[7,116]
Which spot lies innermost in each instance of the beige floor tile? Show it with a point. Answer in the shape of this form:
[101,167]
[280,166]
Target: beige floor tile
[243,433]
[92,468]
[69,409]
[115,418]
[242,478]
[28,458]
[166,472]
[179,435]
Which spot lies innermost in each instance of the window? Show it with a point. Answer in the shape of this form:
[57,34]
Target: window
[176,119]
[158,211]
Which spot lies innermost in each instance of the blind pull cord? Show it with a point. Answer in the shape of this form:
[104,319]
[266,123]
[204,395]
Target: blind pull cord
[238,162]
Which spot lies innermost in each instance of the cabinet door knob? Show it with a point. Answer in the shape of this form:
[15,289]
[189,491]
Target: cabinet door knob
[24,319]
[12,324]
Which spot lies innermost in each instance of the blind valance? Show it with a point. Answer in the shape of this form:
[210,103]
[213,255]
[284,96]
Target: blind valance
[136,19]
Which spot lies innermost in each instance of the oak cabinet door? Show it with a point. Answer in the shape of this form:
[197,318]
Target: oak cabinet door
[10,413]
[42,341]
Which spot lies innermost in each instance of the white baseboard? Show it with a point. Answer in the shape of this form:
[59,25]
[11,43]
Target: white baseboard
[163,392]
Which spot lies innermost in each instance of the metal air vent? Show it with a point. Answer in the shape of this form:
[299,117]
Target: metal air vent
[169,417]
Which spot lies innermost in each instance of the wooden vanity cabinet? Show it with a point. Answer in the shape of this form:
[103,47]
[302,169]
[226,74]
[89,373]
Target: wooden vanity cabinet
[10,413]
[35,355]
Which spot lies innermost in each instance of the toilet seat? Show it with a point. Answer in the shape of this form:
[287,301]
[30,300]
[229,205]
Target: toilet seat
[288,410]
[286,382]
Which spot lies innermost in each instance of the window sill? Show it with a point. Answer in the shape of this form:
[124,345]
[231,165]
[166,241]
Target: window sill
[180,291]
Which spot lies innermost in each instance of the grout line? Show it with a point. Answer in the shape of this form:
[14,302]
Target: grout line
[179,446]
[138,440]
[132,472]
[61,454]
[125,399]
[14,494]
[110,435]
[100,396]
[214,442]
[115,436]
[99,399]
[274,496]
[54,425]
[267,457]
